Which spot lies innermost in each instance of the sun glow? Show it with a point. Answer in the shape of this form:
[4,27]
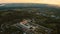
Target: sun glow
[55,2]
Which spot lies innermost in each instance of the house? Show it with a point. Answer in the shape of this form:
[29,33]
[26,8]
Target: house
[28,28]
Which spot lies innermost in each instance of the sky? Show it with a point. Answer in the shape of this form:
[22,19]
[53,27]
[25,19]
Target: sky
[55,2]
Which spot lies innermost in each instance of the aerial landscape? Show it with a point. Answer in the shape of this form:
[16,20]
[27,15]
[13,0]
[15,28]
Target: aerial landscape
[29,18]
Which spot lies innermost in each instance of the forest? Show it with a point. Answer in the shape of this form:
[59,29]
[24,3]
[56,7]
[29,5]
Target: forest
[49,18]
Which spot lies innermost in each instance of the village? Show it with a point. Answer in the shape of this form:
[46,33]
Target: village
[29,28]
